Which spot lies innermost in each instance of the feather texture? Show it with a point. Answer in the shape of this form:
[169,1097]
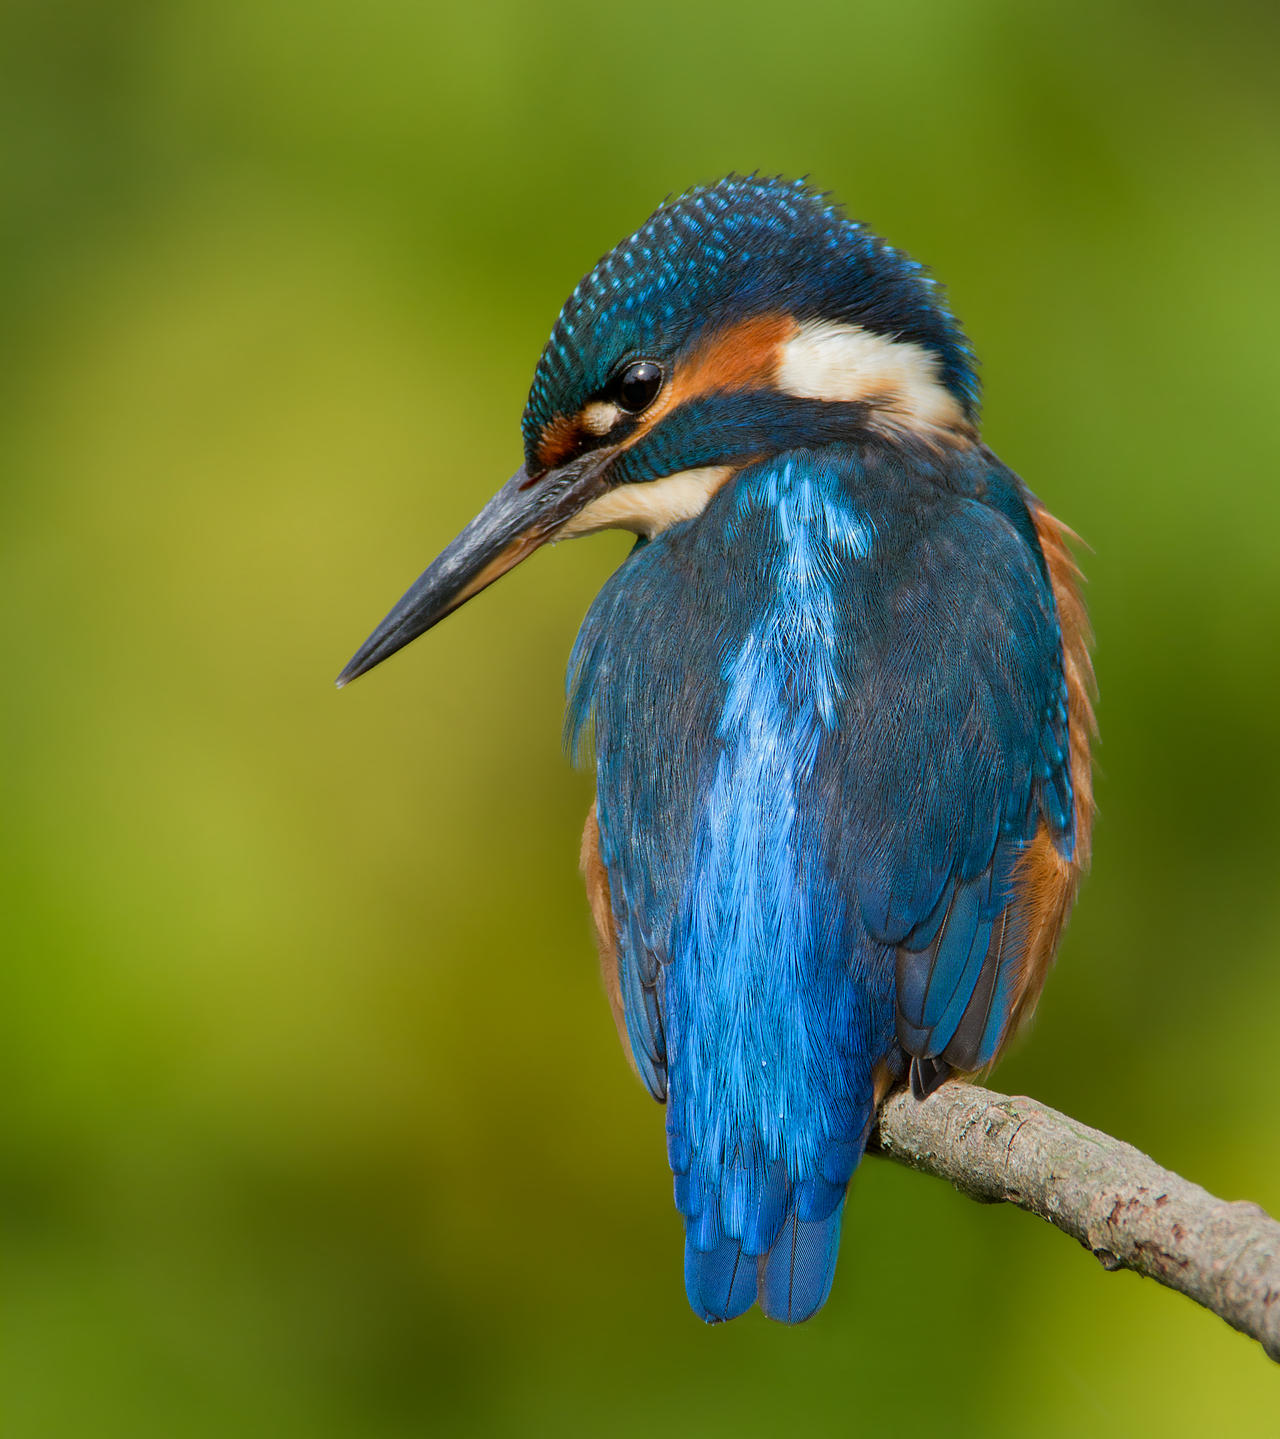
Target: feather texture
[831,724]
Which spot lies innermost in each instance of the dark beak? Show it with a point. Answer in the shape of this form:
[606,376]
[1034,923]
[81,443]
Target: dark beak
[524,514]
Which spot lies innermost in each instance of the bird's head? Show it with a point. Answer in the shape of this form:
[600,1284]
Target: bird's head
[742,319]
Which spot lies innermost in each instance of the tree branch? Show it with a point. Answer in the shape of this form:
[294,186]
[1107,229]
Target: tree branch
[1123,1207]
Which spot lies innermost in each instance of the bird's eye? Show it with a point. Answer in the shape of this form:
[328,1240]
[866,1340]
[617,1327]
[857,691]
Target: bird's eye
[637,386]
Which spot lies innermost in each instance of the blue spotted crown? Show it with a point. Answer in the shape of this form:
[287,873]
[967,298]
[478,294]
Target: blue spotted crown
[722,253]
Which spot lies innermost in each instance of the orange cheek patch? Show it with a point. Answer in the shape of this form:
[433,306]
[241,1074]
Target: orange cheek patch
[736,359]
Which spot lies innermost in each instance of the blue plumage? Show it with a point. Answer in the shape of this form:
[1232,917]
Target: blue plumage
[838,693]
[838,769]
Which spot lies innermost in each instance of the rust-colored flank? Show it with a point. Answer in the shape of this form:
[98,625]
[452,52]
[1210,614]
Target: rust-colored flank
[1045,884]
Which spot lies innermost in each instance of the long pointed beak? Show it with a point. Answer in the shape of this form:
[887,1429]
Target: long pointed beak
[521,517]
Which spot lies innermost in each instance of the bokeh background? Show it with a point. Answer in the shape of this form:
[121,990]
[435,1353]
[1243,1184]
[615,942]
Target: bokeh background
[312,1118]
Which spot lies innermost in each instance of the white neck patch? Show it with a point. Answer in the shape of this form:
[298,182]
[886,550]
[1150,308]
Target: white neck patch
[650,506]
[901,380]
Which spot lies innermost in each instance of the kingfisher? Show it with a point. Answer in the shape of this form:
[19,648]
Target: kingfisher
[838,700]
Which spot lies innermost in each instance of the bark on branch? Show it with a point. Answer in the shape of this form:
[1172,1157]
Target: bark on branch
[1123,1207]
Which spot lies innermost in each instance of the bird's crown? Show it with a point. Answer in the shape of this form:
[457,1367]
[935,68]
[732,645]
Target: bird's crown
[704,265]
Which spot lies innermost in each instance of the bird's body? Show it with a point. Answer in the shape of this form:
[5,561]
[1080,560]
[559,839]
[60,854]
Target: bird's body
[838,697]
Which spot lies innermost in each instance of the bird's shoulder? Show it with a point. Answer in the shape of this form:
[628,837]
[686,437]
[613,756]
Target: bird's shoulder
[896,501]
[892,555]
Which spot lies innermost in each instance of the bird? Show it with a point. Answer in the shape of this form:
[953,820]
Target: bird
[838,698]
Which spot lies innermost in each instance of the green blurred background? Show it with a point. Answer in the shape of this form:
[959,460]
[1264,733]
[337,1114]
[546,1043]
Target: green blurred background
[312,1118]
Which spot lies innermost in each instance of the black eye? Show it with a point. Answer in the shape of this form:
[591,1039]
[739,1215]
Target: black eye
[637,386]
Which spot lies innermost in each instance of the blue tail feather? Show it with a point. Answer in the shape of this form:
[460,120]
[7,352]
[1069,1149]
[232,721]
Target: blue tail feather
[754,1235]
[796,1276]
[753,1206]
[721,1283]
[791,1279]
